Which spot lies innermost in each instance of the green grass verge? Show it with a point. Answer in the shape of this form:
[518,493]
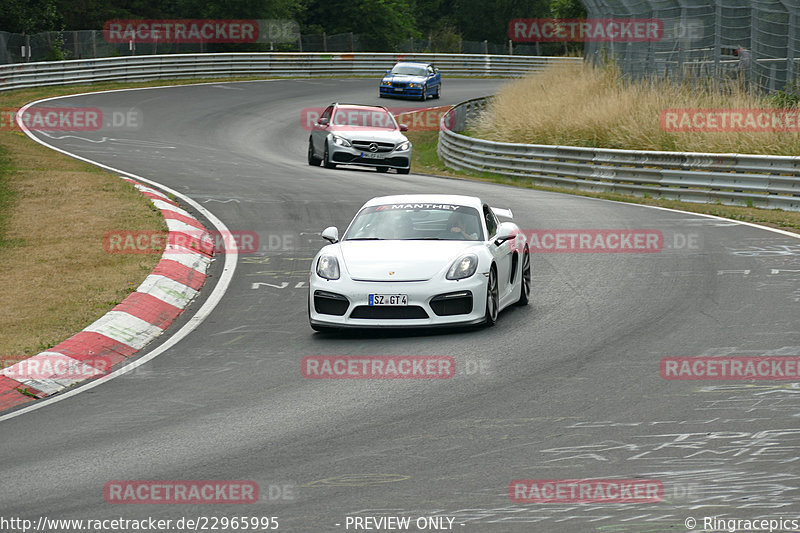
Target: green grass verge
[6,197]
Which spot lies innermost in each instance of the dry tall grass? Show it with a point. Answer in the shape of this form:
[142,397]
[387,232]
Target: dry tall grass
[585,106]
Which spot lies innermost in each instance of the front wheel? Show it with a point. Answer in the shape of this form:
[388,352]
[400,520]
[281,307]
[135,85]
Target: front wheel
[438,92]
[312,159]
[424,93]
[326,160]
[492,299]
[525,279]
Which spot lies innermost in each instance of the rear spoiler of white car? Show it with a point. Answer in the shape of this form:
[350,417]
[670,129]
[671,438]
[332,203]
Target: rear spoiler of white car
[505,213]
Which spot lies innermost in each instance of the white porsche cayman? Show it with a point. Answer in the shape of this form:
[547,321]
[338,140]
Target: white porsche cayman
[419,260]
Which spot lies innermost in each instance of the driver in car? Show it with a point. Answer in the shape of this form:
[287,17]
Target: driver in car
[458,225]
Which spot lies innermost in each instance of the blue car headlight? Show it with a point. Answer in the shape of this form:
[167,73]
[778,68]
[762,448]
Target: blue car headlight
[386,83]
[328,267]
[463,267]
[415,85]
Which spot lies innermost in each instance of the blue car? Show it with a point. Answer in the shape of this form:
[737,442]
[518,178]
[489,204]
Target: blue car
[410,79]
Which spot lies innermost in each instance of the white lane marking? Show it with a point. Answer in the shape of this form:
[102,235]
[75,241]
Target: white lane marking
[729,221]
[225,278]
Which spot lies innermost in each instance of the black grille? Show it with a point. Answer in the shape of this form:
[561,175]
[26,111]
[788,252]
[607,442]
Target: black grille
[378,312]
[330,303]
[453,303]
[344,157]
[382,148]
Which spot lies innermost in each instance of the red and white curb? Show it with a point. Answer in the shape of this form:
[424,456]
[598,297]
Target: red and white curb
[128,327]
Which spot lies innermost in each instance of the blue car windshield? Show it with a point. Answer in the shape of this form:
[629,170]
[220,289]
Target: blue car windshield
[409,70]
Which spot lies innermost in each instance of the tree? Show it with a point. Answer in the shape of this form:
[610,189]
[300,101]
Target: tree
[382,24]
[29,16]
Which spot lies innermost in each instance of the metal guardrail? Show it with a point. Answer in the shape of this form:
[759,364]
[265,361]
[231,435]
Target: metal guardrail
[289,64]
[734,179]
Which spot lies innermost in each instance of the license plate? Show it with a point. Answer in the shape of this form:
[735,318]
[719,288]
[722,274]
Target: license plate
[388,299]
[398,89]
[370,155]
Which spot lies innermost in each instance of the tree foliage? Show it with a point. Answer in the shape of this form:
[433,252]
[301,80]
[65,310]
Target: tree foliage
[381,24]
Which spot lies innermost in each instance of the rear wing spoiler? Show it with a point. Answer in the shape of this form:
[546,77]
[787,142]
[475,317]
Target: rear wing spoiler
[505,213]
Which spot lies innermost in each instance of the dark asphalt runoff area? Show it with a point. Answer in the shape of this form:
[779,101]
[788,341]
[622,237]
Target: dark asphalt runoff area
[566,388]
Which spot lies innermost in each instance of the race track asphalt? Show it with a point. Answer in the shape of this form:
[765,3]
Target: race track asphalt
[565,388]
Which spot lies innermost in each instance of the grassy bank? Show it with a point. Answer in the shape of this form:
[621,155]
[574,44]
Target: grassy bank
[579,105]
[54,210]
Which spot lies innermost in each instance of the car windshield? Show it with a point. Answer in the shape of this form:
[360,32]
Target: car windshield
[409,70]
[364,117]
[416,221]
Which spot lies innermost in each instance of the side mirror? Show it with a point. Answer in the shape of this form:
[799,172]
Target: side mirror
[505,231]
[403,127]
[387,72]
[323,121]
[331,234]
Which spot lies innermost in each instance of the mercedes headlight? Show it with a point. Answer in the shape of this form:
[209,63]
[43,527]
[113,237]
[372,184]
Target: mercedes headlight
[341,141]
[463,267]
[403,146]
[328,267]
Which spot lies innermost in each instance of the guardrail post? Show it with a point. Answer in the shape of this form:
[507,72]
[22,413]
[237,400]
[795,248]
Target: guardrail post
[94,43]
[324,42]
[486,47]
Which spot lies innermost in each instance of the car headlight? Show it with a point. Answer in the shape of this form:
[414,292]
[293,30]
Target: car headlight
[403,146]
[463,267]
[328,267]
[341,141]
[415,85]
[386,83]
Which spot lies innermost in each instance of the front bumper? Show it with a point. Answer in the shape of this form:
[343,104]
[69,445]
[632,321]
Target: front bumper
[347,155]
[415,92]
[349,301]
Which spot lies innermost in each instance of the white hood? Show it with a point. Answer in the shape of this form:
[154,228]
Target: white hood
[407,260]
